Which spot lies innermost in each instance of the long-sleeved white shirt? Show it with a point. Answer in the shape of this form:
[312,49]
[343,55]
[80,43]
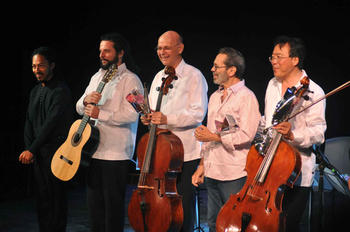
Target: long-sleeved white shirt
[308,127]
[226,160]
[117,120]
[185,105]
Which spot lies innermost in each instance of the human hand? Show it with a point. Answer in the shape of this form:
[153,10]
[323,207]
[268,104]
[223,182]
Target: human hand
[159,118]
[203,134]
[92,111]
[26,157]
[92,98]
[285,128]
[198,176]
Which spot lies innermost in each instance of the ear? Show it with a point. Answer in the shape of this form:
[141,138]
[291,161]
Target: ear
[121,55]
[181,48]
[295,61]
[231,71]
[52,66]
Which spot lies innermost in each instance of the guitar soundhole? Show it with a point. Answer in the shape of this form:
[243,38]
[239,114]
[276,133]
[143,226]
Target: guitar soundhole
[76,139]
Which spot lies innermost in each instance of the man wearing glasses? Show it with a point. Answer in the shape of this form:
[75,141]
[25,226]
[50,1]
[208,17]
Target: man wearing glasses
[302,131]
[233,118]
[182,110]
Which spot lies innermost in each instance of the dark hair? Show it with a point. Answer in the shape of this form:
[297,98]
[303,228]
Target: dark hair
[234,58]
[48,53]
[120,43]
[297,47]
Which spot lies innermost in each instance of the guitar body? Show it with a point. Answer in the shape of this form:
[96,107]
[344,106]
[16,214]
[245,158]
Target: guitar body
[75,151]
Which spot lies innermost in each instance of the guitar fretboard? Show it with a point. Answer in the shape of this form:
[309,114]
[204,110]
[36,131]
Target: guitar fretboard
[86,118]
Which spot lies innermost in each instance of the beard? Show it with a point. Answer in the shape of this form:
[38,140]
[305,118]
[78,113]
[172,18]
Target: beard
[109,63]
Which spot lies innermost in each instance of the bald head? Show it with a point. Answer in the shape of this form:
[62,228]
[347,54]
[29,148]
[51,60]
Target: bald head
[169,49]
[172,36]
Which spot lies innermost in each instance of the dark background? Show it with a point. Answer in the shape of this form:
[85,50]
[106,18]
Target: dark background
[74,30]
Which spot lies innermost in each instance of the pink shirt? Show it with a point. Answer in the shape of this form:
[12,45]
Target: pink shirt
[226,160]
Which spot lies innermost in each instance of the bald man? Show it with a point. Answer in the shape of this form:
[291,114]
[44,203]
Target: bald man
[182,111]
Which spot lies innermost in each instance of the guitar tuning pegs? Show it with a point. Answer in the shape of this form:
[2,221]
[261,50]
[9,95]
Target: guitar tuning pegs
[175,78]
[171,86]
[163,78]
[158,88]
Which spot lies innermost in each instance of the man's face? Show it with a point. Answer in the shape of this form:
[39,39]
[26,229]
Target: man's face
[168,51]
[108,54]
[41,68]
[219,70]
[282,63]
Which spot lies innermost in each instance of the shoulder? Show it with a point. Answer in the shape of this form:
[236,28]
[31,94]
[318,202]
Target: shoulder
[315,88]
[191,71]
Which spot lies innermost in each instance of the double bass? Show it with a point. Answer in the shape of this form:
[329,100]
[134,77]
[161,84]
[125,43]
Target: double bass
[155,204]
[272,166]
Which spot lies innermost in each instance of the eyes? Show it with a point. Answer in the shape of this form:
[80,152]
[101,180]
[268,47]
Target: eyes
[39,66]
[277,58]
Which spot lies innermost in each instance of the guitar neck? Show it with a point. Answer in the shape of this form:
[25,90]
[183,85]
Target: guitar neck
[86,118]
[83,123]
[100,87]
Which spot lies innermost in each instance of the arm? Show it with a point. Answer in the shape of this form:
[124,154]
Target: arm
[313,127]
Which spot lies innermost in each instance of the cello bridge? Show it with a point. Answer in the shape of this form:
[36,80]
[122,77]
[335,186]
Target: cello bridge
[254,197]
[145,187]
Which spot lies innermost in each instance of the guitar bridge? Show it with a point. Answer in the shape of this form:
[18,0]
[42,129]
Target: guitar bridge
[66,160]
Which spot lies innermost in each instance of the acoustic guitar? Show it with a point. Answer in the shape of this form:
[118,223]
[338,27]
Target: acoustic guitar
[81,142]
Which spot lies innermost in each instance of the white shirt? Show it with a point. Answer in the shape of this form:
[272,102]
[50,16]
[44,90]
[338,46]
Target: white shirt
[117,120]
[308,127]
[226,160]
[185,105]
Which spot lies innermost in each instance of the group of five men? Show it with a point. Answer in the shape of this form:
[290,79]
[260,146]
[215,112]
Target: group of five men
[215,154]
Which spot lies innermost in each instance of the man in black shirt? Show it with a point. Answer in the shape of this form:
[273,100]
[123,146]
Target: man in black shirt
[49,116]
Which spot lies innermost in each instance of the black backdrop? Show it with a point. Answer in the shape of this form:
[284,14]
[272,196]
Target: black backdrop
[75,30]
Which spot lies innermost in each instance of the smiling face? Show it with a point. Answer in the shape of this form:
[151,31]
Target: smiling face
[169,49]
[282,64]
[42,69]
[219,70]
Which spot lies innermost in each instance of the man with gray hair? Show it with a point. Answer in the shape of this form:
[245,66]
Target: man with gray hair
[233,118]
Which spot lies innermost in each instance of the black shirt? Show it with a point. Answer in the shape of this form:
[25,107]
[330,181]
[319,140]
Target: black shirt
[49,115]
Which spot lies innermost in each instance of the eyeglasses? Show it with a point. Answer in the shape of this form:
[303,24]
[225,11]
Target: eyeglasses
[216,67]
[167,48]
[277,58]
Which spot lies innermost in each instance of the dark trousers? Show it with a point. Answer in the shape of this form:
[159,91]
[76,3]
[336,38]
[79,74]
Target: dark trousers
[106,185]
[50,194]
[218,193]
[294,203]
[187,191]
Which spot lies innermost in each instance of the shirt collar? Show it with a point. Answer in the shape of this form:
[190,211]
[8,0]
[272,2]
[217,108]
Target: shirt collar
[234,88]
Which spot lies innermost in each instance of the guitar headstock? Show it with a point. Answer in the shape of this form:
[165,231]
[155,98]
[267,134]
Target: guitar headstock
[110,73]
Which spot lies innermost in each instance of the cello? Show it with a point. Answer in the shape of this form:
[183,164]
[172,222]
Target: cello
[155,204]
[272,165]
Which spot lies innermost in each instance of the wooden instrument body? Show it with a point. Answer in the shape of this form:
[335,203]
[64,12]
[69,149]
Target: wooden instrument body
[71,153]
[260,204]
[158,195]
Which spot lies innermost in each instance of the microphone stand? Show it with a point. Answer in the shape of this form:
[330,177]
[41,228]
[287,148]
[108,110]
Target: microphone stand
[323,163]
